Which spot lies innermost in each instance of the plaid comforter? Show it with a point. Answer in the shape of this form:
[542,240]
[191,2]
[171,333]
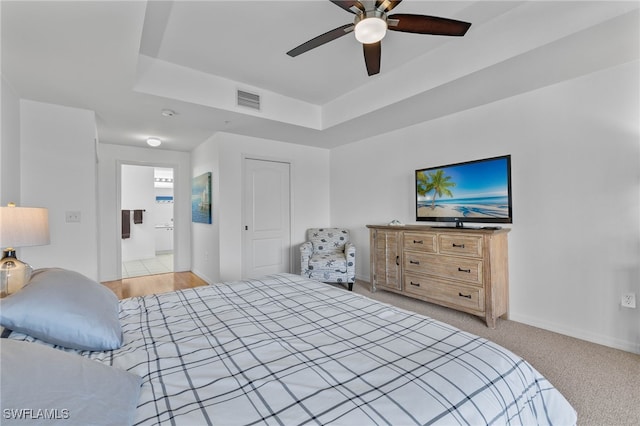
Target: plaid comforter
[286,350]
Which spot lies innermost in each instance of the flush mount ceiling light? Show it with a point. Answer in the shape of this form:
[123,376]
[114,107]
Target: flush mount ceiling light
[370,29]
[167,113]
[153,142]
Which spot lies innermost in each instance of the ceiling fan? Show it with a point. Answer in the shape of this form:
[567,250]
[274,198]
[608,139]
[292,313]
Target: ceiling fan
[371,24]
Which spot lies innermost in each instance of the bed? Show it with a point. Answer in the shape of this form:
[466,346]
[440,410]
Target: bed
[287,350]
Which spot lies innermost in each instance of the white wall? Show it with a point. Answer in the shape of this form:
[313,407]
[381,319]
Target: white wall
[58,171]
[9,145]
[222,155]
[574,247]
[110,157]
[138,193]
[205,238]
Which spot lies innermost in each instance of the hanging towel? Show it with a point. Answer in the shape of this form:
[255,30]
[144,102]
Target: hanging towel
[126,224]
[137,216]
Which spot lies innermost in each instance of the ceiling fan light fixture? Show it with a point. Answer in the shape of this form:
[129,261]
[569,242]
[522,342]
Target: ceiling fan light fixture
[370,30]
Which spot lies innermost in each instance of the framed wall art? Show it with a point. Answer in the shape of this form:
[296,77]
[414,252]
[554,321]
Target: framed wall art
[201,198]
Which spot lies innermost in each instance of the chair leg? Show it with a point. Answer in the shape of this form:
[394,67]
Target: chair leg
[350,286]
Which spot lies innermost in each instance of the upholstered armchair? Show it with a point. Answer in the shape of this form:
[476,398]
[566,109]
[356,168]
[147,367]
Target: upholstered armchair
[328,256]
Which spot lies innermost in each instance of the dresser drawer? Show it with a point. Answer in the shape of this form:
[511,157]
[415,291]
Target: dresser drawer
[456,268]
[461,245]
[424,241]
[446,292]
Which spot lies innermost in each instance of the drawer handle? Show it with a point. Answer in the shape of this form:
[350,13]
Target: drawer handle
[457,245]
[414,262]
[418,242]
[467,296]
[417,284]
[397,260]
[468,271]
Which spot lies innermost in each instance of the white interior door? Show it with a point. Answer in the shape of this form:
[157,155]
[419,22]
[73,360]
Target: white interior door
[267,218]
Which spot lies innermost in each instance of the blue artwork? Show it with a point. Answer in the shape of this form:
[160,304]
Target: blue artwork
[201,198]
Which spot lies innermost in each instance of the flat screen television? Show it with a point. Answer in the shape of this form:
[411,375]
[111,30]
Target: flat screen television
[474,191]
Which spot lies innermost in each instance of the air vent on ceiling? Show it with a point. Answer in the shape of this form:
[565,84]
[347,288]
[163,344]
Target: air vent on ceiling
[249,100]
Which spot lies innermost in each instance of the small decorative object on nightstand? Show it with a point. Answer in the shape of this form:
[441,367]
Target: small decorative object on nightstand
[19,227]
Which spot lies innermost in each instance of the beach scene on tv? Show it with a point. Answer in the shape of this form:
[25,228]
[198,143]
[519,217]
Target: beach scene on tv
[474,190]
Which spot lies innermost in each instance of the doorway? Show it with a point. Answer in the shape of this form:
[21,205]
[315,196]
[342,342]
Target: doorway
[146,200]
[267,217]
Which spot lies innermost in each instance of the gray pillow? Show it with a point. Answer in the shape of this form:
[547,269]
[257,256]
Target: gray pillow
[40,383]
[64,308]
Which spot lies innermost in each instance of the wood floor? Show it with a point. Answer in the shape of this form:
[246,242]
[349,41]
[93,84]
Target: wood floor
[153,284]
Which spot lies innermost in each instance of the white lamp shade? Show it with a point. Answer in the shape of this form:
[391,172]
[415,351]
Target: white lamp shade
[23,226]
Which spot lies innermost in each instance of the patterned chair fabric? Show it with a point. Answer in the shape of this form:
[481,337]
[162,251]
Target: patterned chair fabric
[328,256]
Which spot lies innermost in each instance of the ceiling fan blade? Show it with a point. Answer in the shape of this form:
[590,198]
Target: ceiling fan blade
[422,24]
[321,39]
[349,5]
[372,54]
[386,5]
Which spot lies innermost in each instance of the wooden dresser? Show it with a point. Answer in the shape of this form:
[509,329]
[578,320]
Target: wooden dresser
[461,268]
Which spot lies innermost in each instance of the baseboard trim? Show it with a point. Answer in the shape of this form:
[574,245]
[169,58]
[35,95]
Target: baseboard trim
[202,276]
[623,345]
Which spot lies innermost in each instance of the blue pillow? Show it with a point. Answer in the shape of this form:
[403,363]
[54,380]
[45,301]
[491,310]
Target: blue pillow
[64,308]
[42,385]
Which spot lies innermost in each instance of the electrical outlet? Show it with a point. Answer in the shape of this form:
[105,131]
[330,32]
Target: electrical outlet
[629,300]
[72,217]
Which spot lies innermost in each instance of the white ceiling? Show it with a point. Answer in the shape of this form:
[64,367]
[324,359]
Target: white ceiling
[128,60]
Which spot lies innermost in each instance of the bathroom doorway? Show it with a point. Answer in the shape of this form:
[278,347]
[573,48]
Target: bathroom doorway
[146,200]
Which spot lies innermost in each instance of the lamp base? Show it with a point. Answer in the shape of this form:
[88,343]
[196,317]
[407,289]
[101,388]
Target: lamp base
[14,274]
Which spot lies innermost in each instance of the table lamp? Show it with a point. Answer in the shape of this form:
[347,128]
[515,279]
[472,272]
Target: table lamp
[19,227]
